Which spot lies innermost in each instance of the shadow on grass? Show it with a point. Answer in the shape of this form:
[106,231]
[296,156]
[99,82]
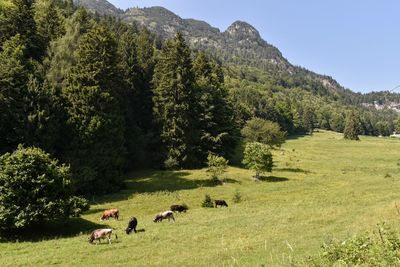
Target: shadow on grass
[296,136]
[91,211]
[51,230]
[151,181]
[296,170]
[273,179]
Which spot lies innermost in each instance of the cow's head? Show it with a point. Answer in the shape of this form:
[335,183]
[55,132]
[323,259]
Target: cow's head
[91,239]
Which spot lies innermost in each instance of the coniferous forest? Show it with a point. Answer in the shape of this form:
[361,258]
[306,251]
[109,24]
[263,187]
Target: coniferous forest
[106,97]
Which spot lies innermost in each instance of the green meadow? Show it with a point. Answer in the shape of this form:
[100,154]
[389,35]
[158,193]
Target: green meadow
[322,187]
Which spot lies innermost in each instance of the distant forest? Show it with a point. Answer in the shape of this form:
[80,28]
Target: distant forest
[106,97]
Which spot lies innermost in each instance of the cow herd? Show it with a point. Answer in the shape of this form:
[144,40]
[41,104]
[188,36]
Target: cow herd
[100,234]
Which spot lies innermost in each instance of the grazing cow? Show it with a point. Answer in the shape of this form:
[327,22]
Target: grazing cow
[220,202]
[131,226]
[164,215]
[101,234]
[179,208]
[113,213]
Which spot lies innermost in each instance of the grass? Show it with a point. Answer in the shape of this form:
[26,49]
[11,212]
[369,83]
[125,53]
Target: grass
[322,187]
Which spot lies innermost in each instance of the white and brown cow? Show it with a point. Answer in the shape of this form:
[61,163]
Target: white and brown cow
[101,234]
[164,215]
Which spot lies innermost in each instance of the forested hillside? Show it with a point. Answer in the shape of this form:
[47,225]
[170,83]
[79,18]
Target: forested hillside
[258,65]
[105,96]
[97,94]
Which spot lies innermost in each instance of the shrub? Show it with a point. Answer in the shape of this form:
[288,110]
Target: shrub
[257,157]
[379,249]
[237,197]
[35,188]
[216,166]
[207,202]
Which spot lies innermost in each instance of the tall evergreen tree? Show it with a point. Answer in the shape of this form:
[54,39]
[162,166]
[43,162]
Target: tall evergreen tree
[129,97]
[216,124]
[175,104]
[352,126]
[97,151]
[14,72]
[146,62]
[19,19]
[49,21]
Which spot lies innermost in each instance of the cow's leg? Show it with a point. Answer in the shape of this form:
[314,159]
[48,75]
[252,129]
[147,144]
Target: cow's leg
[109,240]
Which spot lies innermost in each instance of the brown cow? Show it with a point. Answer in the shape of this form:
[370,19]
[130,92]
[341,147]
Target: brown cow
[113,213]
[101,234]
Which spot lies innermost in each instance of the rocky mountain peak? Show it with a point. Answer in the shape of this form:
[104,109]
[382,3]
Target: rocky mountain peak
[242,30]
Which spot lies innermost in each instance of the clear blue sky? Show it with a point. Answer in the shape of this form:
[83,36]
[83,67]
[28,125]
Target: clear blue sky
[357,42]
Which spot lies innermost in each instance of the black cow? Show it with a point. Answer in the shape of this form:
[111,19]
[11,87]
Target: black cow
[179,208]
[220,202]
[131,226]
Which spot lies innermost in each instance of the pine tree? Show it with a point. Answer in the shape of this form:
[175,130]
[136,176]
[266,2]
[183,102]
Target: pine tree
[97,151]
[352,126]
[49,22]
[45,117]
[216,124]
[175,104]
[14,72]
[131,76]
[145,59]
[18,19]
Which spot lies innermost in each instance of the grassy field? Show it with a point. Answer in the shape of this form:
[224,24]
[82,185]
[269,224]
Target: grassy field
[322,187]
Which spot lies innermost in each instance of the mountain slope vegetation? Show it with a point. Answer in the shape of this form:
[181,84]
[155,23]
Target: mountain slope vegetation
[260,65]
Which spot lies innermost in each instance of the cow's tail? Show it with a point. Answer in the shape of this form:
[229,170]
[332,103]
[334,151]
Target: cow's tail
[116,237]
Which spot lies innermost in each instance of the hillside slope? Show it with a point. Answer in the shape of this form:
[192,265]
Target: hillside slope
[239,44]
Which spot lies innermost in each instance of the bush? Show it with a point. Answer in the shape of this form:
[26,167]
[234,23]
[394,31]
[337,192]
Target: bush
[216,166]
[207,202]
[379,249]
[257,157]
[237,197]
[35,188]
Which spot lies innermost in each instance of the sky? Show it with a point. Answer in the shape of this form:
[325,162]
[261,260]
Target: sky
[357,42]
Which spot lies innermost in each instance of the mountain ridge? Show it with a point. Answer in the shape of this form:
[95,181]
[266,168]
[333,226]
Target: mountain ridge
[239,44]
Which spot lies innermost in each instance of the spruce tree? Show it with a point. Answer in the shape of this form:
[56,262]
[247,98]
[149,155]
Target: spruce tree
[352,126]
[216,121]
[96,152]
[131,77]
[146,62]
[49,22]
[14,72]
[18,19]
[175,104]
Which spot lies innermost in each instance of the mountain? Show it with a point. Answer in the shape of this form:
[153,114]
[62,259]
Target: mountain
[240,44]
[101,7]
